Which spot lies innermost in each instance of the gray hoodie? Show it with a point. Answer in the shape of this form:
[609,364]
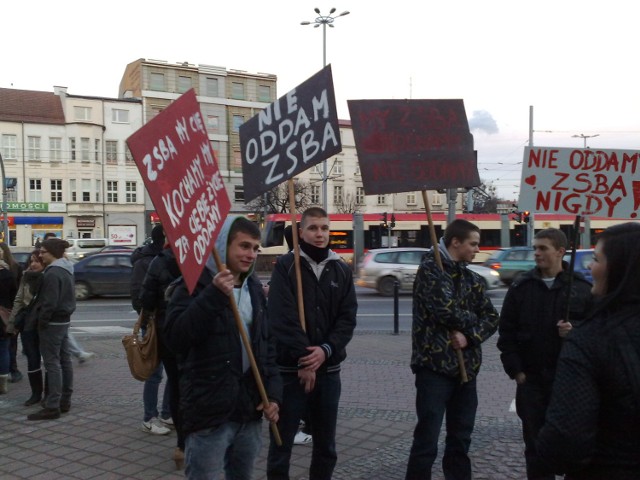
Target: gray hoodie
[56,299]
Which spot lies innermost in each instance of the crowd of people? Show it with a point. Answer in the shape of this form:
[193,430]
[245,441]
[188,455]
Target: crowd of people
[236,351]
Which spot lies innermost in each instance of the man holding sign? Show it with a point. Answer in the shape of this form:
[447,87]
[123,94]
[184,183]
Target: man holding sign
[220,400]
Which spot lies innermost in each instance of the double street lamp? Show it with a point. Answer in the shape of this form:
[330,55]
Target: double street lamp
[584,137]
[324,20]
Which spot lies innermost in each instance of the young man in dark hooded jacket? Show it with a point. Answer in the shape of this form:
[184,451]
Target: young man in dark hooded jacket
[219,400]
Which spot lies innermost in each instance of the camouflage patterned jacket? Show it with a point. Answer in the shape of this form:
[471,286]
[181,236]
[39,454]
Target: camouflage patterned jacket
[453,299]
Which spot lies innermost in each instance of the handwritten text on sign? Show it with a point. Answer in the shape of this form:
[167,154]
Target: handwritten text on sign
[581,182]
[409,145]
[291,135]
[179,169]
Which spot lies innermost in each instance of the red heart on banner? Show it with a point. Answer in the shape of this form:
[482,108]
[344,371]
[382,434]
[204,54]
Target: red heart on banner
[531,180]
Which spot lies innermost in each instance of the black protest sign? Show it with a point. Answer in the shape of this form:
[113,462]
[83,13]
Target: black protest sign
[413,145]
[294,133]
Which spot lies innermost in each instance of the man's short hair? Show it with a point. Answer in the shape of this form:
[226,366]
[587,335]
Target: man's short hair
[243,225]
[315,212]
[460,229]
[557,237]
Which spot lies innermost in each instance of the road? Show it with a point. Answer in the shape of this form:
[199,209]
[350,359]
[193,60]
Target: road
[375,313]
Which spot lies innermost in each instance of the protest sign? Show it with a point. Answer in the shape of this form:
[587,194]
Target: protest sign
[409,145]
[294,133]
[580,181]
[179,169]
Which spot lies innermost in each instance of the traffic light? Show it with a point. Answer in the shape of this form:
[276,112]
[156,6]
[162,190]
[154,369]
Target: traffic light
[525,216]
[393,220]
[517,216]
[384,219]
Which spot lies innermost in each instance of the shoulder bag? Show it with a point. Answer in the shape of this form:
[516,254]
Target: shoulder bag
[142,351]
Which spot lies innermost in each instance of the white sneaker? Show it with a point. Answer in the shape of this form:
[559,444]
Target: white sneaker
[153,426]
[84,356]
[302,438]
[167,422]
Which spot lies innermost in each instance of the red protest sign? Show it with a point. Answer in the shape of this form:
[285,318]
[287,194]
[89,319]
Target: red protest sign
[581,181]
[179,169]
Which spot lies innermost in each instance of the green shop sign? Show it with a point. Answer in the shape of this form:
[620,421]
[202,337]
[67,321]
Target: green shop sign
[27,207]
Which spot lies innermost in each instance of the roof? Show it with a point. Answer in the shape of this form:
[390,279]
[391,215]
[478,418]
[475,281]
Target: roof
[30,106]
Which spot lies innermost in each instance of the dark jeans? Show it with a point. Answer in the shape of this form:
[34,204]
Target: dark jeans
[322,407]
[532,400]
[436,396]
[31,347]
[54,346]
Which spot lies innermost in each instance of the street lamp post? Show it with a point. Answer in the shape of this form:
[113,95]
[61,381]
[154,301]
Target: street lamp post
[584,137]
[324,20]
[5,214]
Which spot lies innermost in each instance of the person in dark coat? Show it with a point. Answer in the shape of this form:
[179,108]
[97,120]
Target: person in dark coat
[592,425]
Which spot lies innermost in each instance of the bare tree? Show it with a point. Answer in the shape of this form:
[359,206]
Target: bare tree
[484,197]
[276,200]
[347,204]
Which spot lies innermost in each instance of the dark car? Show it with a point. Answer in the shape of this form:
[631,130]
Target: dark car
[103,274]
[112,248]
[511,262]
[584,257]
[23,259]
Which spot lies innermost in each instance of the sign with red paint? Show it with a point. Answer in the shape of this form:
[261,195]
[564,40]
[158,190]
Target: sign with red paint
[581,181]
[409,145]
[179,169]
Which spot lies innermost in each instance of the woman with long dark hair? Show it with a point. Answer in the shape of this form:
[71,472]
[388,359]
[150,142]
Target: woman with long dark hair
[592,425]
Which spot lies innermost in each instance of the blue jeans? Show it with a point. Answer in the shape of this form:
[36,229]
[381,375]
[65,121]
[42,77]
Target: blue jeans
[54,346]
[232,447]
[150,396]
[321,405]
[31,347]
[4,356]
[437,394]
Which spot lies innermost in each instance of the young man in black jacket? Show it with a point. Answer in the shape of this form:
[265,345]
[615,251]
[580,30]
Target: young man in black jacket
[532,326]
[219,399]
[310,358]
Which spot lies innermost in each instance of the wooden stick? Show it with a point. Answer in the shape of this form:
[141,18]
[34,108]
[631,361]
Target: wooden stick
[296,254]
[436,253]
[572,264]
[247,347]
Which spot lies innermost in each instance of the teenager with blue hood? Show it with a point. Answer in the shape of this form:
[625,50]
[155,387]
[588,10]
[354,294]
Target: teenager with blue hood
[219,400]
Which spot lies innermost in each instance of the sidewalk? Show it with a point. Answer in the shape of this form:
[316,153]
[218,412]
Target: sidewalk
[100,438]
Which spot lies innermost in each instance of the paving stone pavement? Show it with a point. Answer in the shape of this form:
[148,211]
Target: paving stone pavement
[101,437]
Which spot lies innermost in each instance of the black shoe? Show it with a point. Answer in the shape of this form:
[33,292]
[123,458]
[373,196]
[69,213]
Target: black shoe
[65,407]
[33,400]
[16,376]
[45,414]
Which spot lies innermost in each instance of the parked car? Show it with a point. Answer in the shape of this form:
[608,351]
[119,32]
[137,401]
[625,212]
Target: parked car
[112,248]
[103,274]
[23,258]
[511,262]
[81,247]
[584,258]
[381,267]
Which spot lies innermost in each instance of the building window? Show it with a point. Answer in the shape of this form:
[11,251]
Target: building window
[157,81]
[211,85]
[264,93]
[85,152]
[9,147]
[436,199]
[119,116]
[238,193]
[82,113]
[12,189]
[111,150]
[212,122]
[98,190]
[315,194]
[357,169]
[184,84]
[318,168]
[112,191]
[97,150]
[131,192]
[236,164]
[86,190]
[72,148]
[237,90]
[215,146]
[337,167]
[55,149]
[359,195]
[35,190]
[128,156]
[73,190]
[337,195]
[382,199]
[238,120]
[33,145]
[411,198]
[56,190]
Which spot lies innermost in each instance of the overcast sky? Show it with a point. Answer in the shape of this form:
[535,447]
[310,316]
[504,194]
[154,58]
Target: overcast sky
[575,62]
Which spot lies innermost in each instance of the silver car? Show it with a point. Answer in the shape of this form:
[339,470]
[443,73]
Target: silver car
[381,267]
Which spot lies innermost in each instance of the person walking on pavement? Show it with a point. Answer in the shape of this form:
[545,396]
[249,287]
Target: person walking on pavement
[532,328]
[55,303]
[220,400]
[451,311]
[310,358]
[153,422]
